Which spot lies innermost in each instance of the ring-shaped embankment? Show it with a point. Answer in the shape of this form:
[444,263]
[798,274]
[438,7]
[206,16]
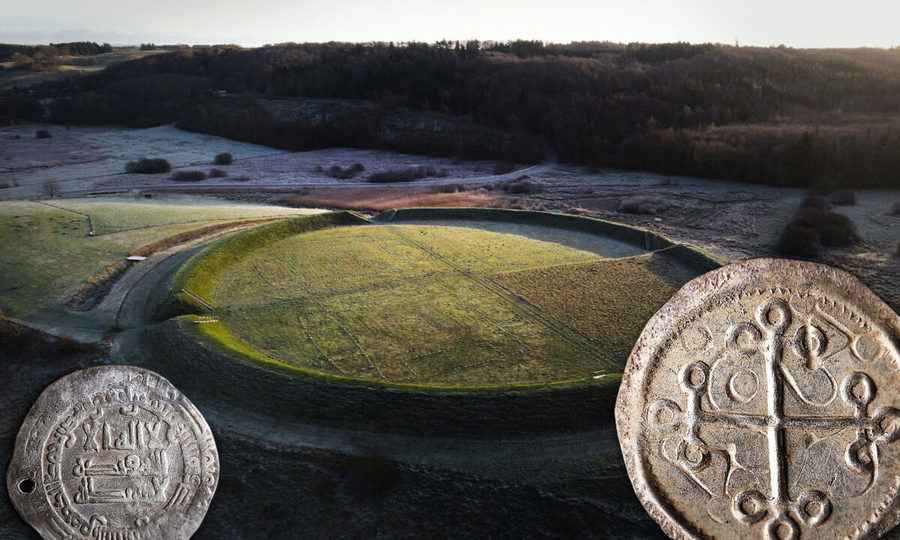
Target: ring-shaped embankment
[451,319]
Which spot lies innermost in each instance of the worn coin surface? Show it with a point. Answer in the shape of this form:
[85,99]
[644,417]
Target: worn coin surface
[113,452]
[762,402]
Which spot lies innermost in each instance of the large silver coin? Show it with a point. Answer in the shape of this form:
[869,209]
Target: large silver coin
[113,452]
[762,402]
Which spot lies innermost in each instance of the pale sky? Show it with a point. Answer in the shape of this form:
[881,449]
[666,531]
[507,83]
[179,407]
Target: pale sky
[798,23]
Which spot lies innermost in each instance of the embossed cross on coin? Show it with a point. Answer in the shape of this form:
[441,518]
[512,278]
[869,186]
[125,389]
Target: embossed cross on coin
[857,390]
[759,403]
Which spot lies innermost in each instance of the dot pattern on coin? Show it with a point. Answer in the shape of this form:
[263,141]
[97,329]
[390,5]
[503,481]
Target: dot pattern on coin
[113,452]
[761,402]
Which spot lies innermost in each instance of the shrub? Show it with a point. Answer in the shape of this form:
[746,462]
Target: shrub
[42,134]
[799,241]
[409,175]
[217,173]
[642,205]
[814,200]
[148,166]
[895,210]
[336,171]
[188,176]
[833,229]
[224,158]
[521,187]
[843,198]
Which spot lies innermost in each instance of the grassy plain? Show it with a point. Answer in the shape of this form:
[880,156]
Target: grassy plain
[47,253]
[113,215]
[423,304]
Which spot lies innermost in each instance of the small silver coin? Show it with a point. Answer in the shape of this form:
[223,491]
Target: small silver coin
[113,452]
[763,401]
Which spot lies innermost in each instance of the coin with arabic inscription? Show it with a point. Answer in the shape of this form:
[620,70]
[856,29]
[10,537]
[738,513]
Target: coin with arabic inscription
[763,401]
[113,452]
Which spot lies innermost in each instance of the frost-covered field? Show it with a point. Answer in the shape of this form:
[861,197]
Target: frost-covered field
[733,220]
[83,159]
[312,166]
[86,157]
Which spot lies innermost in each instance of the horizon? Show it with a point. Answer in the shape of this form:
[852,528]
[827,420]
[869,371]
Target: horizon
[76,39]
[803,24]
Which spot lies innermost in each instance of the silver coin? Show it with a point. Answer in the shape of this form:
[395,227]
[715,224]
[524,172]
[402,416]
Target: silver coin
[762,402]
[113,452]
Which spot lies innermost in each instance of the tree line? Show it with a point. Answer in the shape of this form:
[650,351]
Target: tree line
[661,107]
[74,48]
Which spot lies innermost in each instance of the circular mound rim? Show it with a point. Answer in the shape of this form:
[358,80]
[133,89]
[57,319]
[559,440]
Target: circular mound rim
[188,309]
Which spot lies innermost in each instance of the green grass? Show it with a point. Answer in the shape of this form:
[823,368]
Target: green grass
[47,253]
[609,301]
[113,215]
[413,304]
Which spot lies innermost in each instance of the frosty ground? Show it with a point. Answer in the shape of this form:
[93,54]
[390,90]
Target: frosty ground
[732,220]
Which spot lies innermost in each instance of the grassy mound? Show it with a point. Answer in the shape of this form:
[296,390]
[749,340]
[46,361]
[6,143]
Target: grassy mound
[419,304]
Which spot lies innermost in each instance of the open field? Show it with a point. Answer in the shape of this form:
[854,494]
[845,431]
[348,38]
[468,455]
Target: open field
[730,219]
[430,304]
[112,215]
[94,158]
[876,260]
[68,66]
[48,253]
[81,159]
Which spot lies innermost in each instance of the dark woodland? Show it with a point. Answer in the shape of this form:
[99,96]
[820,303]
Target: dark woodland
[823,119]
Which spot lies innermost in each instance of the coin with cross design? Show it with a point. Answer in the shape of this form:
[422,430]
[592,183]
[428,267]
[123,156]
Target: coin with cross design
[113,452]
[763,401]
